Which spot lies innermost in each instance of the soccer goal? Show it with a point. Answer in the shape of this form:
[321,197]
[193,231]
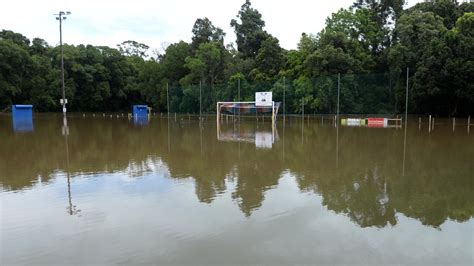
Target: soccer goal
[263,104]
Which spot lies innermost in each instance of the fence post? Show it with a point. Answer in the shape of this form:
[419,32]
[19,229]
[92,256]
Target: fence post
[200,101]
[468,123]
[284,100]
[302,110]
[429,124]
[406,99]
[338,93]
[238,85]
[167,100]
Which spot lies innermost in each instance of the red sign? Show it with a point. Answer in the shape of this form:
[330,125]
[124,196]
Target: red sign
[376,122]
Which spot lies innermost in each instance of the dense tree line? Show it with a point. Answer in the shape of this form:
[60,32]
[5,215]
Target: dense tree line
[370,44]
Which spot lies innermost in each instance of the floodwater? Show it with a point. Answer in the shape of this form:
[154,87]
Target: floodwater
[112,191]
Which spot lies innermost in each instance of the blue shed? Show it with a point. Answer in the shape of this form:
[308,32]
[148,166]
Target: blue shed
[22,117]
[140,110]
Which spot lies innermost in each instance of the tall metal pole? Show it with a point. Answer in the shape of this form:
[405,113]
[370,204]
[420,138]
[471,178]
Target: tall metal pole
[284,101]
[167,100]
[406,100]
[238,88]
[406,122]
[62,16]
[200,100]
[302,120]
[338,93]
[62,61]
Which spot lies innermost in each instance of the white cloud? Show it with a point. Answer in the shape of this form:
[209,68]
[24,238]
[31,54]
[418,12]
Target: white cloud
[154,22]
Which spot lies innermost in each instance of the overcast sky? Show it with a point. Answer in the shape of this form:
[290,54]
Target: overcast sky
[160,22]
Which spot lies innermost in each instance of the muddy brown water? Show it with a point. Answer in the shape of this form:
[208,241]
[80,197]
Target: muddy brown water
[108,191]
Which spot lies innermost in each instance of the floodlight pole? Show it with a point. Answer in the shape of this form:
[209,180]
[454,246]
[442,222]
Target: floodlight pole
[62,16]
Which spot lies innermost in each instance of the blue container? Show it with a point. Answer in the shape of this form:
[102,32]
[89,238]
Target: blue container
[140,110]
[22,117]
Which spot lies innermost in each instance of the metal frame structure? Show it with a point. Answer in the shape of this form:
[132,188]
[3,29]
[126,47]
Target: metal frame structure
[219,116]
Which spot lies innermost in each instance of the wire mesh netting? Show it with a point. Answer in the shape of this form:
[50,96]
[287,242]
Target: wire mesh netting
[382,93]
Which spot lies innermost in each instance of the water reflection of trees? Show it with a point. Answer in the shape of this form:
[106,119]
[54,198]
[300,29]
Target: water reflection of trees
[366,185]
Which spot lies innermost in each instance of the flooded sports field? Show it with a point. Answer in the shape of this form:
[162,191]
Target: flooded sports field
[109,190]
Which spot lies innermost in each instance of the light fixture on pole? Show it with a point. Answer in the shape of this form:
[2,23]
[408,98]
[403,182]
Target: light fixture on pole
[62,16]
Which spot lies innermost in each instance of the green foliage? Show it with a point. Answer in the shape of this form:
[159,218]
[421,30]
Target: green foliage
[133,48]
[270,57]
[249,30]
[435,40]
[174,61]
[442,60]
[448,10]
[205,31]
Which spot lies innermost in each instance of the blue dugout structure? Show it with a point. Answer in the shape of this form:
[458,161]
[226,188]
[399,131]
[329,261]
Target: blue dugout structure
[140,114]
[22,117]
[139,110]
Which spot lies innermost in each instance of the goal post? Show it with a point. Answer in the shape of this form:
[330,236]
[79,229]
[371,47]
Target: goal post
[245,108]
[263,103]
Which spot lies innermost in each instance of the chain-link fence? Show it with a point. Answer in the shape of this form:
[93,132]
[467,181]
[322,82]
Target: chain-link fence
[381,93]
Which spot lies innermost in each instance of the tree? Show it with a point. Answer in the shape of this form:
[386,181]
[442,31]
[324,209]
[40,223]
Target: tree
[174,61]
[448,10]
[133,48]
[16,38]
[205,67]
[342,46]
[205,31]
[39,47]
[439,58]
[15,72]
[459,66]
[249,30]
[386,10]
[270,57]
[433,39]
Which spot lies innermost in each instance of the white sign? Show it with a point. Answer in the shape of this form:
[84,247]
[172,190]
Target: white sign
[61,101]
[353,122]
[263,98]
